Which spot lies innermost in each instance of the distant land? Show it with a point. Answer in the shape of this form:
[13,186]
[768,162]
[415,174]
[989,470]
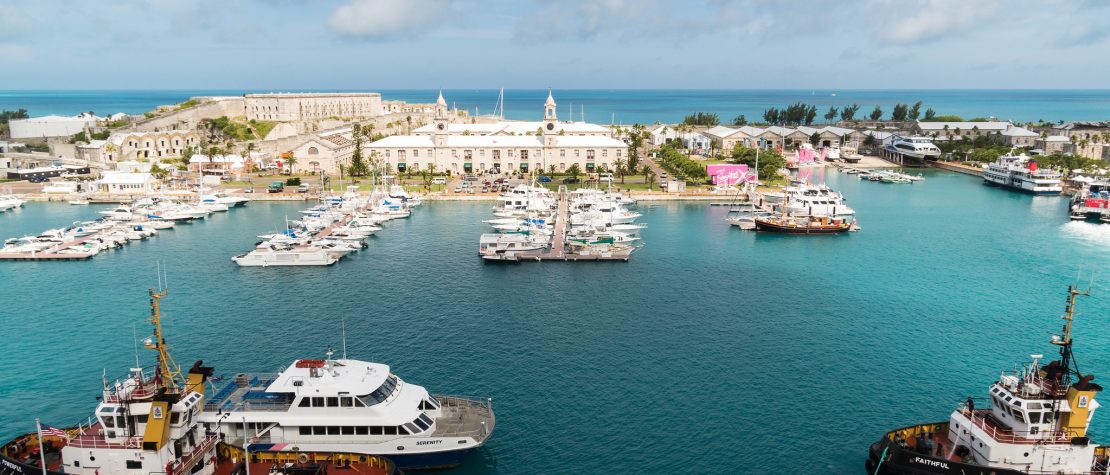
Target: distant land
[630,105]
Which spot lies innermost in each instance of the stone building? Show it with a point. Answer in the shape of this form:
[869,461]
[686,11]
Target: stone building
[123,146]
[300,107]
[501,147]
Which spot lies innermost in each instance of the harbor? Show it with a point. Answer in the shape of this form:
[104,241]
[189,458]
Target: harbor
[874,280]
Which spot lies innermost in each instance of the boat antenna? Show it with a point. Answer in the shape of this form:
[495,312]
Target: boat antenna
[135,335]
[343,323]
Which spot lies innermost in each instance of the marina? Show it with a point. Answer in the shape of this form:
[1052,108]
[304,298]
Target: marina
[877,291]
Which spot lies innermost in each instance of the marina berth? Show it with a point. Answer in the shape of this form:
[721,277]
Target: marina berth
[349,406]
[1033,420]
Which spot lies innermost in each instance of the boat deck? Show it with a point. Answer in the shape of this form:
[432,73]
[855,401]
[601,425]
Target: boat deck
[558,250]
[464,418]
[52,253]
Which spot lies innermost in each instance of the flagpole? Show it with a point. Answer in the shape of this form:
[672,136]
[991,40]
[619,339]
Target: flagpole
[42,449]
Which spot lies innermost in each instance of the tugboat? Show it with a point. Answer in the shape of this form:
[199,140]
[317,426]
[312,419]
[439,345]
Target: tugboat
[1034,422]
[149,422]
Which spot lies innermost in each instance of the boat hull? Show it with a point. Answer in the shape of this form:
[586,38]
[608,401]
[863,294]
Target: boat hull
[781,229]
[431,460]
[1055,192]
[886,458]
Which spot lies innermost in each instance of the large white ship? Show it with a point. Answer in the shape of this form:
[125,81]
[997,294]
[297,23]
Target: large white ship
[348,406]
[1019,172]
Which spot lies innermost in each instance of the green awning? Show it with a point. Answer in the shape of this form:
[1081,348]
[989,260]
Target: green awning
[468,166]
[589,165]
[523,166]
[401,167]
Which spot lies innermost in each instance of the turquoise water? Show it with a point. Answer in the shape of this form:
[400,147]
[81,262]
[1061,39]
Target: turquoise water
[645,106]
[712,351]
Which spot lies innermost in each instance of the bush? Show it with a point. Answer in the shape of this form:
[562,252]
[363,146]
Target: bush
[295,181]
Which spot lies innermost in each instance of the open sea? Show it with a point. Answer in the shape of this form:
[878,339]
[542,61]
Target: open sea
[628,106]
[713,350]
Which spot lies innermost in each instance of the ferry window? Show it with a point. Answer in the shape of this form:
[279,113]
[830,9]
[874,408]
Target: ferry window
[317,402]
[319,430]
[421,424]
[401,430]
[333,430]
[359,403]
[426,419]
[390,430]
[109,422]
[361,430]
[348,430]
[175,417]
[141,419]
[375,430]
[134,464]
[1018,415]
[333,402]
[306,430]
[305,402]
[1034,417]
[345,402]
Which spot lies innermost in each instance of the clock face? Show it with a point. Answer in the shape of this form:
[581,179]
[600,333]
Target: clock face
[550,126]
[441,126]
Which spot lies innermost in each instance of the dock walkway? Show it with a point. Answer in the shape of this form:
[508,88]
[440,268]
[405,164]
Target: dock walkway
[558,250]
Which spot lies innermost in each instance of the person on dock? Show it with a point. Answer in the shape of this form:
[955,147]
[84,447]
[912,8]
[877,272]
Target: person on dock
[970,405]
[930,445]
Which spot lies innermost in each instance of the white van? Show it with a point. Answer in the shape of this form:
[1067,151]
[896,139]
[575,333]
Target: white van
[439,180]
[605,177]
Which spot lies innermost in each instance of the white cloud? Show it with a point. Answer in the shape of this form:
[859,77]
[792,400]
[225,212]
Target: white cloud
[13,23]
[938,19]
[385,18]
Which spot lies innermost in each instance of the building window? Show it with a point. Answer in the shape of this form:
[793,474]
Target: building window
[562,153]
[577,153]
[604,153]
[313,151]
[415,153]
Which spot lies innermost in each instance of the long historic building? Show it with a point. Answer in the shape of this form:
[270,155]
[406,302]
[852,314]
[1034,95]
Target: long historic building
[501,147]
[296,107]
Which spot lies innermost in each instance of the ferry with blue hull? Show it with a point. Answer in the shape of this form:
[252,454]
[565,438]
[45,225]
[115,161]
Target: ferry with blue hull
[349,406]
[1035,420]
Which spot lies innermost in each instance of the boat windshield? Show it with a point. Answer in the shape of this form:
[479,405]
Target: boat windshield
[382,393]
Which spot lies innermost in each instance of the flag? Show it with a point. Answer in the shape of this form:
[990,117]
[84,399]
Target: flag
[54,431]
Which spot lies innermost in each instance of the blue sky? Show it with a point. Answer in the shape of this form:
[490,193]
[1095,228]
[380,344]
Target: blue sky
[388,44]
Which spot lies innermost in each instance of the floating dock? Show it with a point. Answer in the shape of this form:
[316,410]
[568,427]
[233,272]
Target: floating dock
[558,250]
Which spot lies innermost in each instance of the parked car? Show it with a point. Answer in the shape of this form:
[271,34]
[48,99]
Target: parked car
[470,178]
[570,180]
[276,187]
[545,179]
[302,189]
[250,189]
[439,180]
[458,189]
[663,175]
[485,189]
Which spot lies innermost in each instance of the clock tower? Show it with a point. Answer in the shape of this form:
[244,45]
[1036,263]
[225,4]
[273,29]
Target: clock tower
[550,122]
[440,121]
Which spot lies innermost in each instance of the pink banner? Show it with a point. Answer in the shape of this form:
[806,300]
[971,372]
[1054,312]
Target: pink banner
[727,174]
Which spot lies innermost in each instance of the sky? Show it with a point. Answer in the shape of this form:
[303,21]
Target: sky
[564,44]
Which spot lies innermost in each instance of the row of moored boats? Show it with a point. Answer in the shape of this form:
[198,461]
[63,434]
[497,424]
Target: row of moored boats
[338,225]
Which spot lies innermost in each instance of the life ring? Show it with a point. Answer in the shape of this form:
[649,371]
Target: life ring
[225,452]
[303,458]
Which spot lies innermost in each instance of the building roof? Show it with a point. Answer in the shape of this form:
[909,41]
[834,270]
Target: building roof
[401,141]
[1016,131]
[1056,138]
[808,130]
[720,131]
[229,158]
[839,131]
[587,141]
[515,128]
[93,144]
[994,125]
[778,130]
[493,141]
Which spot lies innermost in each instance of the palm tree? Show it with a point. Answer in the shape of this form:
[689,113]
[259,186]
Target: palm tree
[620,164]
[650,178]
[645,171]
[290,161]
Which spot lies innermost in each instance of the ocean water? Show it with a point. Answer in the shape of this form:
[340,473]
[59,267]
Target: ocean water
[628,106]
[712,351]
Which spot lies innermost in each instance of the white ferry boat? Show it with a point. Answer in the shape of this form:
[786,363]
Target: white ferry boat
[350,406]
[1033,420]
[1092,201]
[1019,172]
[916,147]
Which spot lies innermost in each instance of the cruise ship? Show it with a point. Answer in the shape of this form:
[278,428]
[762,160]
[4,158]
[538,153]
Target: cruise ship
[1019,172]
[1033,420]
[348,406]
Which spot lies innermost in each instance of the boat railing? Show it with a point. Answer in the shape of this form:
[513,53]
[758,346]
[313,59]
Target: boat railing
[983,419]
[469,408]
[185,465]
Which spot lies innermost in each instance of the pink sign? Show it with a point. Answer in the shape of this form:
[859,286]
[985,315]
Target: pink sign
[727,174]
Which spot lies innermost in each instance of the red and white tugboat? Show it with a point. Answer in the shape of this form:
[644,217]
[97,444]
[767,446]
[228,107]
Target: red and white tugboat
[1034,421]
